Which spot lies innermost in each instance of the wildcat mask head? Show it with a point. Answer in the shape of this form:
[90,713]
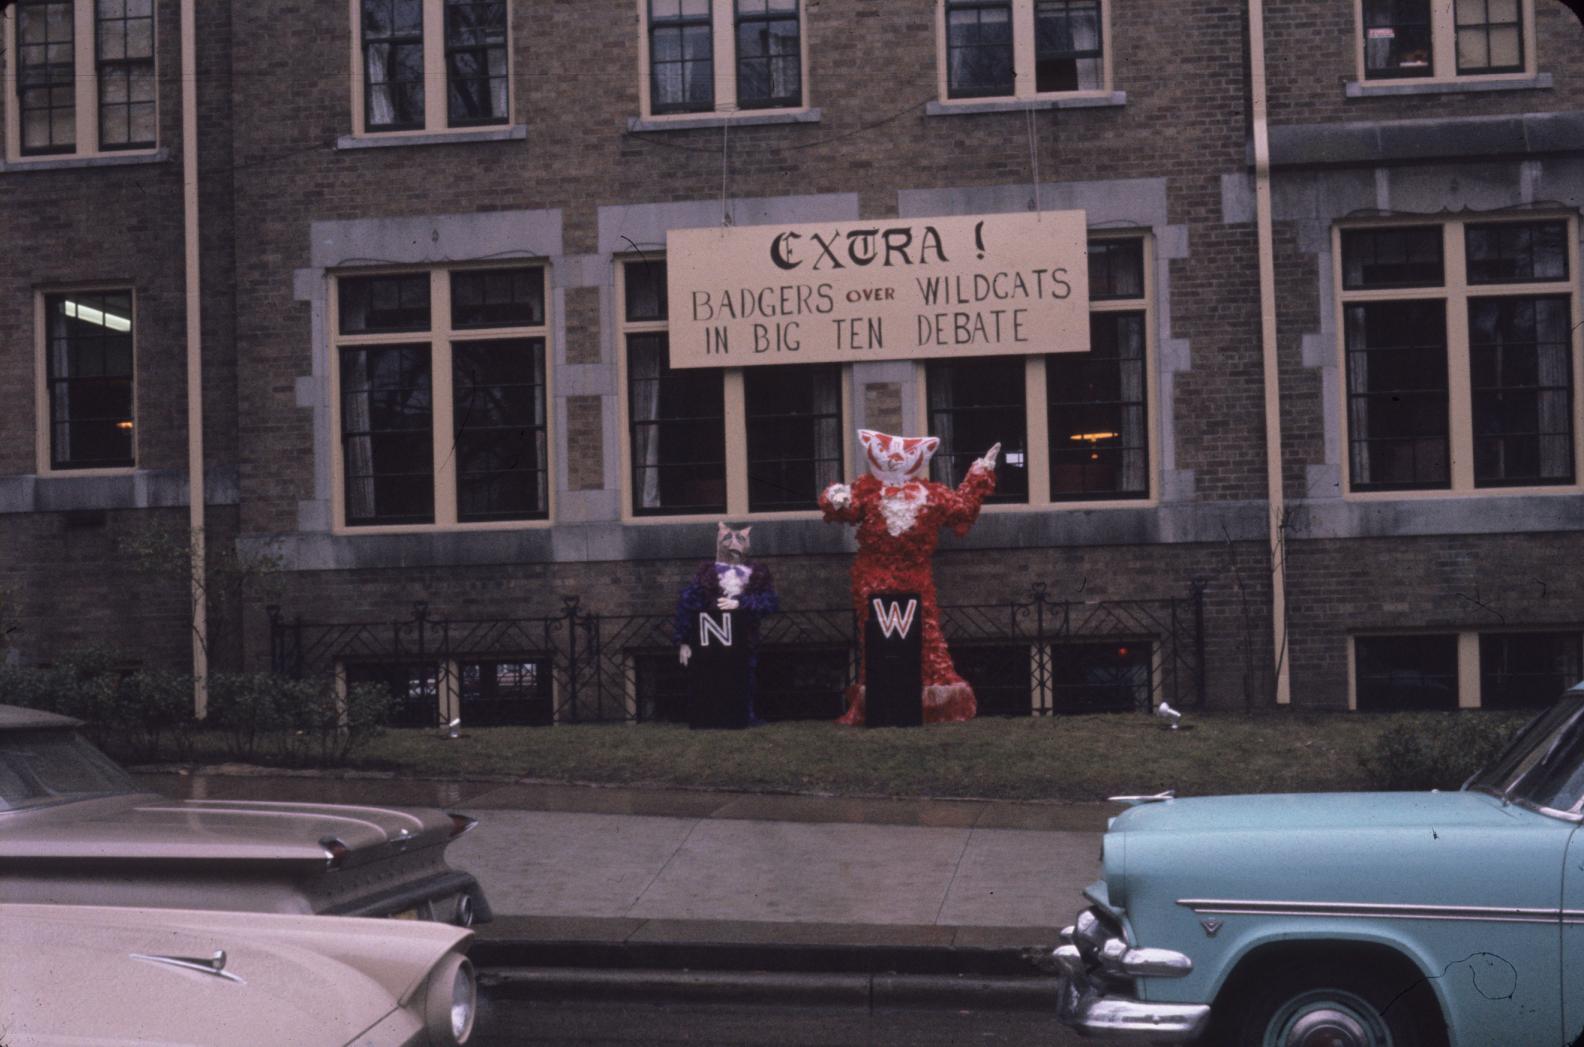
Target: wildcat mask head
[894,460]
[731,546]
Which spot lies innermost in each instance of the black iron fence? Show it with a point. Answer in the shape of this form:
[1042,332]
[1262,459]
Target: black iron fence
[1034,656]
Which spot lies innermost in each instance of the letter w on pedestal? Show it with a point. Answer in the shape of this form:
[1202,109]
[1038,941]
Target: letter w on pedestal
[894,621]
[721,631]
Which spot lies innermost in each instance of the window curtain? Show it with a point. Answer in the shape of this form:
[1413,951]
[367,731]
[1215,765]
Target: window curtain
[827,429]
[1358,401]
[376,82]
[541,436]
[60,393]
[1136,456]
[644,381]
[355,422]
[1555,403]
[943,398]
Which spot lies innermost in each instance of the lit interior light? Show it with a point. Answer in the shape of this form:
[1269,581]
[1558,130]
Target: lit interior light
[1014,459]
[1093,437]
[89,315]
[124,425]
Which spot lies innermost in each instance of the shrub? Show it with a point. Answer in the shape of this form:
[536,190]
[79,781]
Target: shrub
[129,715]
[151,706]
[1436,751]
[272,718]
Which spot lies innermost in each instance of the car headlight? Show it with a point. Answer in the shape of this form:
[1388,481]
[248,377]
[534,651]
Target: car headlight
[451,1002]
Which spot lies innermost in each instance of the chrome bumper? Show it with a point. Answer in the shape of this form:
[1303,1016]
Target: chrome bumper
[1095,965]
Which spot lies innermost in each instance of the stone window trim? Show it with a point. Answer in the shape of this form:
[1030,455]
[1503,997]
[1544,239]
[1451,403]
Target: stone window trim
[736,425]
[460,136]
[1025,93]
[1457,291]
[441,335]
[86,149]
[436,127]
[61,163]
[1463,85]
[1039,497]
[44,455]
[979,106]
[724,112]
[1470,667]
[1443,58]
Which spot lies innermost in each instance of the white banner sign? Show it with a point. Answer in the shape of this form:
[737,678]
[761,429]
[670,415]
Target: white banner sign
[888,289]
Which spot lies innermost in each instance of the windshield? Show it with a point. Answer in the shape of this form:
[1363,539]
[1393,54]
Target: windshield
[1544,764]
[52,766]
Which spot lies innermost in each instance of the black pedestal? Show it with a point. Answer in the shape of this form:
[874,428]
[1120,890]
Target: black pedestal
[718,671]
[893,661]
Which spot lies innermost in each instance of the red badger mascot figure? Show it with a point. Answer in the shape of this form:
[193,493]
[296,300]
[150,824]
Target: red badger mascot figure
[899,516]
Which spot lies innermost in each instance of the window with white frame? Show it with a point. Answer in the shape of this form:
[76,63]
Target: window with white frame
[1022,48]
[1459,354]
[432,64]
[1528,670]
[787,421]
[1405,672]
[1421,39]
[87,421]
[1466,669]
[80,77]
[441,397]
[1073,427]
[706,56]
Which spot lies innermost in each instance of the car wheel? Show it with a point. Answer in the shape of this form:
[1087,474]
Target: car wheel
[1333,1005]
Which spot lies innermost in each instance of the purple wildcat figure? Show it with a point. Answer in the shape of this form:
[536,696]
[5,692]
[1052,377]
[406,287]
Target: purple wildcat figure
[731,583]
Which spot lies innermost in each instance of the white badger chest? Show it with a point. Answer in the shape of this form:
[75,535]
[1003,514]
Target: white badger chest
[900,507]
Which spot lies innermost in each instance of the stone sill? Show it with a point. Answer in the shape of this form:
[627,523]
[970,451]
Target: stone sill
[1373,89]
[707,121]
[513,133]
[58,163]
[1019,105]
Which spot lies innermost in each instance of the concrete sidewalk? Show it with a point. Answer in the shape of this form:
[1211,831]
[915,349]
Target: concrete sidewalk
[655,879]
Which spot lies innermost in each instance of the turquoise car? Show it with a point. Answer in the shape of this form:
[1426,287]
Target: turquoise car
[1347,919]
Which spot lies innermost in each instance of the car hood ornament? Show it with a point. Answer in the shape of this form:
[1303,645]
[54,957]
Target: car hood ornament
[1135,801]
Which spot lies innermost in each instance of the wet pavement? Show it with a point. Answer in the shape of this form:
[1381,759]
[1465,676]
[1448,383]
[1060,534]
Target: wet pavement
[579,863]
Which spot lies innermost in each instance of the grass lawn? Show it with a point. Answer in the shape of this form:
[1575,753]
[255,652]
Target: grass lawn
[1059,758]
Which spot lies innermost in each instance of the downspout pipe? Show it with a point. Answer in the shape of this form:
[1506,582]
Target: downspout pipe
[195,415]
[1277,507]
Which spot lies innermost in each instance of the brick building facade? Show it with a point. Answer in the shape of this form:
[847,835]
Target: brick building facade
[416,213]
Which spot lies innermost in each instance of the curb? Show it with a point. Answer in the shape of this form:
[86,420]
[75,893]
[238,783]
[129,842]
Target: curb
[871,991]
[867,976]
[1012,964]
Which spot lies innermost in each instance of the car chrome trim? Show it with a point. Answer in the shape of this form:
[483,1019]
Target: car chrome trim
[1378,910]
[215,965]
[1154,1022]
[1135,801]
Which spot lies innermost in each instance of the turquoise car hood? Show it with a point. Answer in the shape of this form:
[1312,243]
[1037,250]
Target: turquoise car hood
[1311,811]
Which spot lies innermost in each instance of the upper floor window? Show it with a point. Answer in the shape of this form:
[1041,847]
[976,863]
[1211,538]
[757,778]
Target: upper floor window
[1418,38]
[87,419]
[442,397]
[80,77]
[786,421]
[723,55]
[1022,48]
[433,64]
[1459,353]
